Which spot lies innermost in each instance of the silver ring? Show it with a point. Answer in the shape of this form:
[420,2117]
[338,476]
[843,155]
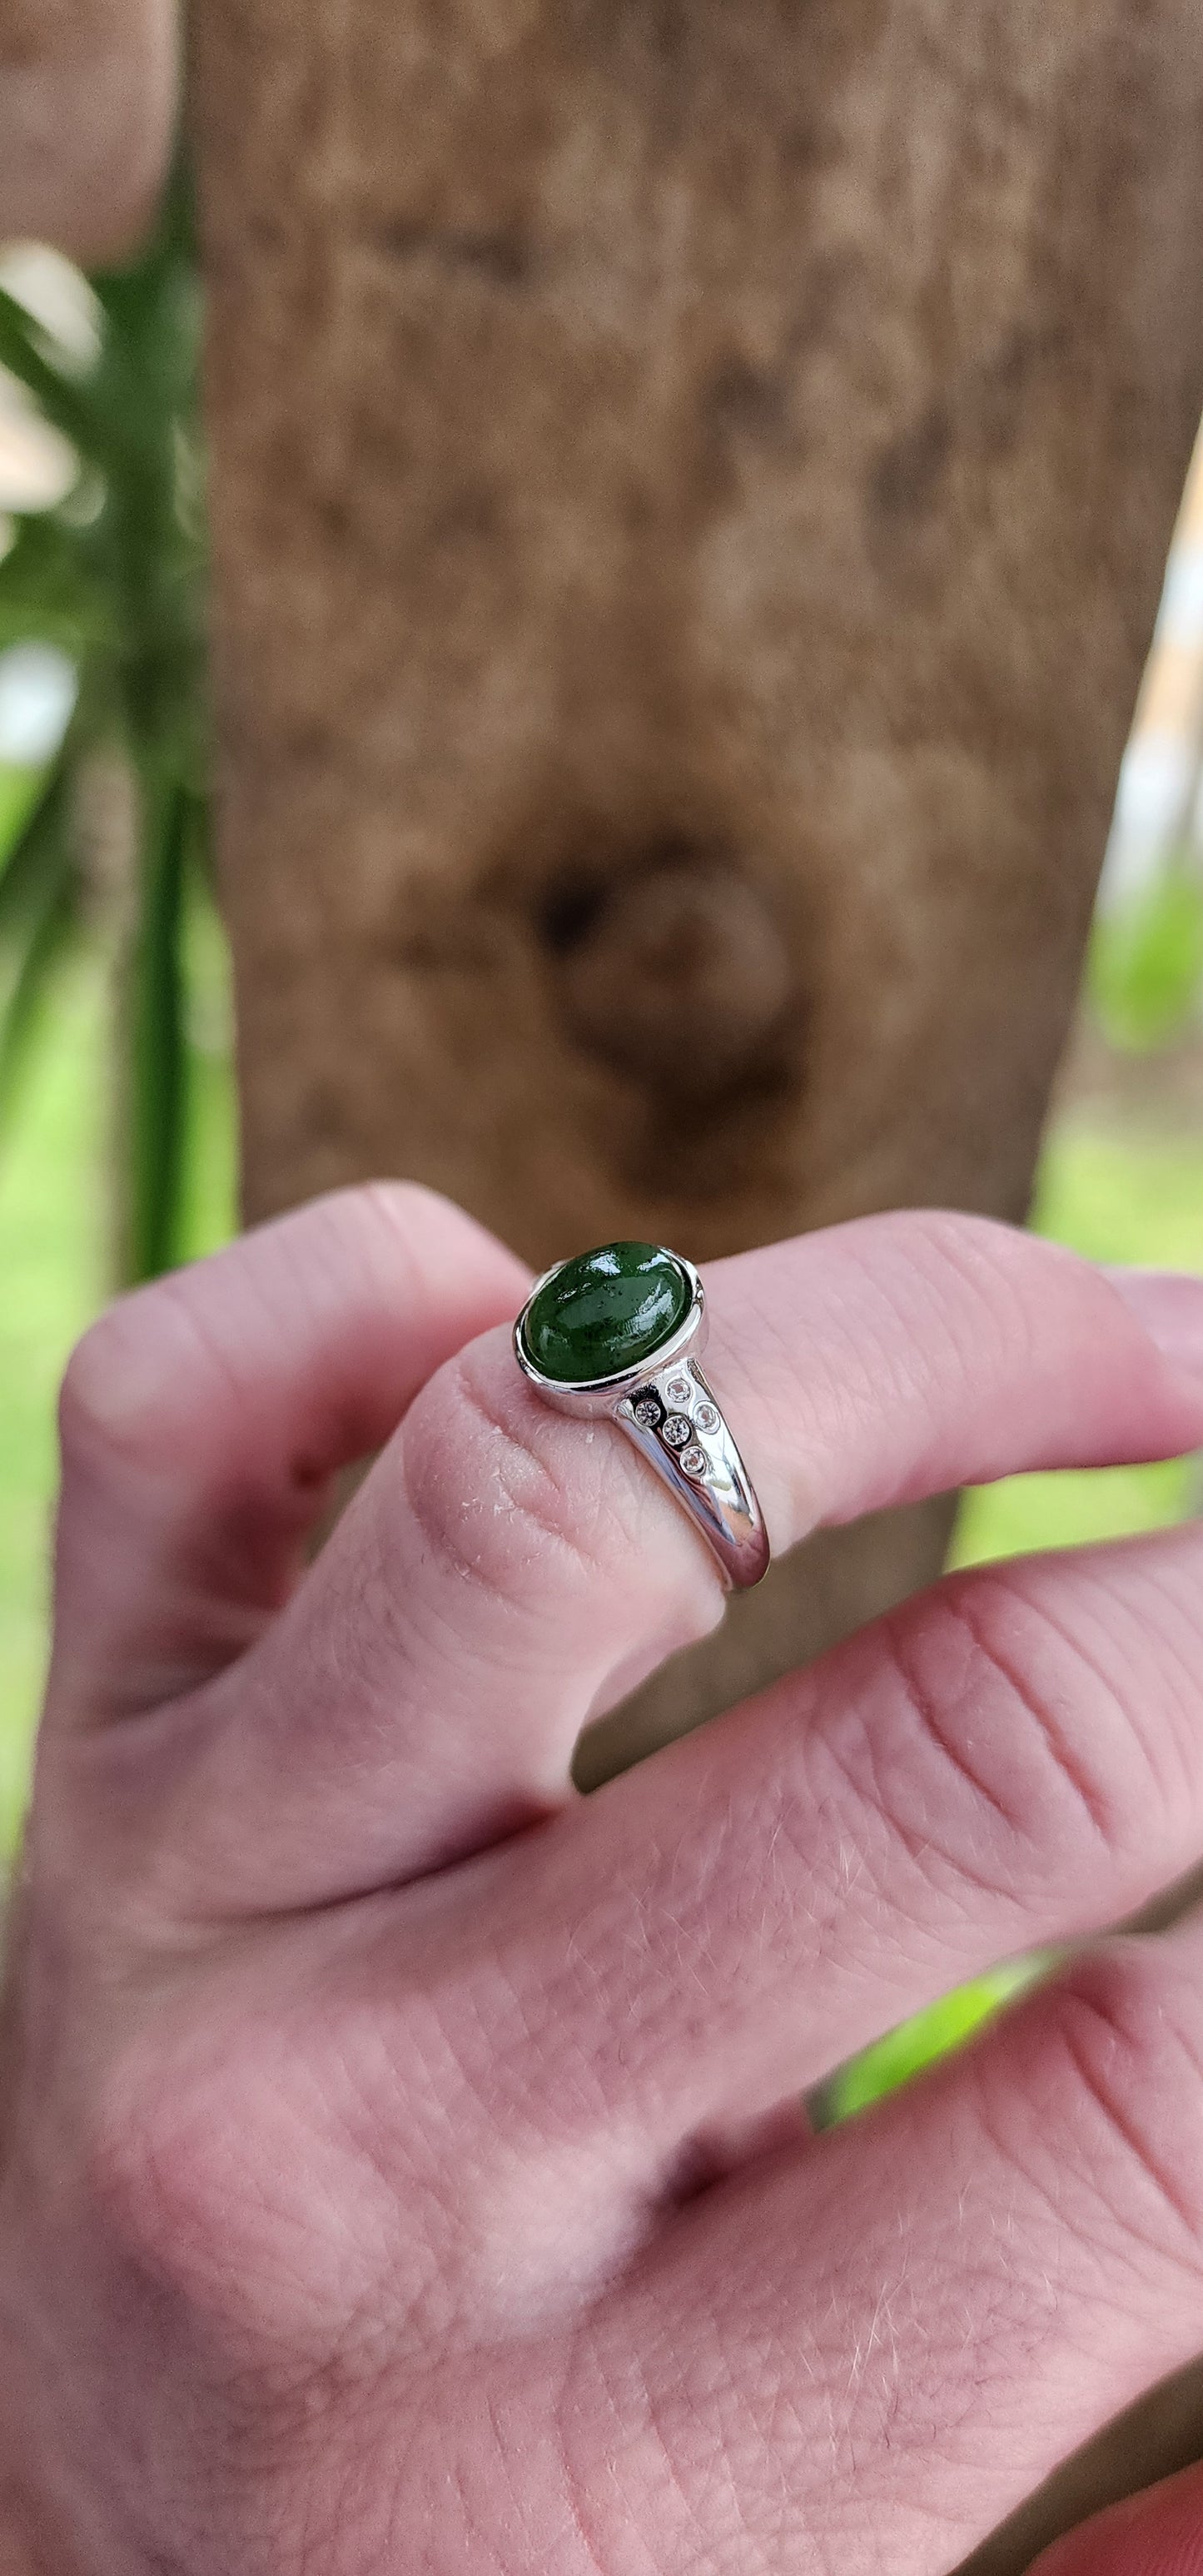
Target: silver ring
[643,1306]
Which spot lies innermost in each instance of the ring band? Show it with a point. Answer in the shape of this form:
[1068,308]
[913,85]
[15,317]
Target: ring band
[617,1332]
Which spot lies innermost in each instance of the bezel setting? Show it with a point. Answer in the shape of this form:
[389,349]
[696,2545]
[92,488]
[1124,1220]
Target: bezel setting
[591,1396]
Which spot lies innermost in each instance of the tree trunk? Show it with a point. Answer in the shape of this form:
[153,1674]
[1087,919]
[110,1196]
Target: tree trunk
[690,489]
[87,105]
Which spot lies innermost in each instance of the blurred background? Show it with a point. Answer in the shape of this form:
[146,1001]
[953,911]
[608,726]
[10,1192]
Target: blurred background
[117,1115]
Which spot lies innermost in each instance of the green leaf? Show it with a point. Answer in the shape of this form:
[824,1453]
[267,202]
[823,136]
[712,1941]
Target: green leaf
[157,1042]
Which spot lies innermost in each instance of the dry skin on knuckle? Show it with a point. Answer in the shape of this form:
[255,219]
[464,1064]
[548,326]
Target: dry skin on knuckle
[490,1499]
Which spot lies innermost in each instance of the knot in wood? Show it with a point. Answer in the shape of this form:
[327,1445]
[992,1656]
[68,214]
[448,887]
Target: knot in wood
[679,977]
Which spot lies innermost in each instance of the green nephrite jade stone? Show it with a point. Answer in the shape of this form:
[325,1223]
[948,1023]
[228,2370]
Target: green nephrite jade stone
[606,1311]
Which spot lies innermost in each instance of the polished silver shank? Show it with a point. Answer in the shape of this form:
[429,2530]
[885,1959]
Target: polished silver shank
[668,1409]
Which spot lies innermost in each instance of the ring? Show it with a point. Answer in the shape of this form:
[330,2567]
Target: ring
[617,1331]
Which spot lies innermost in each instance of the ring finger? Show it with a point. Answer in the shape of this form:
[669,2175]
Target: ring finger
[505,1574]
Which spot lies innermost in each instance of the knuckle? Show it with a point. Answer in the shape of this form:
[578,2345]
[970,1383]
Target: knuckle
[509,1507]
[1128,2029]
[995,1693]
[202,2167]
[155,2171]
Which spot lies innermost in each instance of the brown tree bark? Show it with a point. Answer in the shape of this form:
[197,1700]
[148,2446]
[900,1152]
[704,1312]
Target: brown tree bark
[690,488]
[87,107]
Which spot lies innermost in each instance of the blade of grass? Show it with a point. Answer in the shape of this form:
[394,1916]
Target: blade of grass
[156,1071]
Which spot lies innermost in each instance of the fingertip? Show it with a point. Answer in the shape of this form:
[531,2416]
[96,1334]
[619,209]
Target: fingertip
[126,1368]
[1168,1304]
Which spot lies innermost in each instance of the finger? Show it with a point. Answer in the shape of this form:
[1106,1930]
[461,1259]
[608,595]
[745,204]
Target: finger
[907,2326]
[1006,1763]
[203,1417]
[1159,2533]
[505,1573]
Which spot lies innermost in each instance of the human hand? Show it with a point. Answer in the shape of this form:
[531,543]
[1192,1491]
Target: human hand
[397,2175]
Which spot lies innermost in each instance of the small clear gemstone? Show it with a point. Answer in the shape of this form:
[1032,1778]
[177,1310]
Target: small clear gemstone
[694,1460]
[677,1431]
[678,1389]
[648,1412]
[707,1417]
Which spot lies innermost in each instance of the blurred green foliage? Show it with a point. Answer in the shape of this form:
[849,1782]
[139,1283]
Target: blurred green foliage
[1146,960]
[112,577]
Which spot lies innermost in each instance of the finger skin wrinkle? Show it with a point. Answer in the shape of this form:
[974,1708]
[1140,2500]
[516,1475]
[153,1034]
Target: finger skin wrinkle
[993,1269]
[972,1275]
[641,2416]
[400,1214]
[1134,2056]
[976,1606]
[968,1655]
[1161,1726]
[928,1711]
[870,1813]
[1094,2095]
